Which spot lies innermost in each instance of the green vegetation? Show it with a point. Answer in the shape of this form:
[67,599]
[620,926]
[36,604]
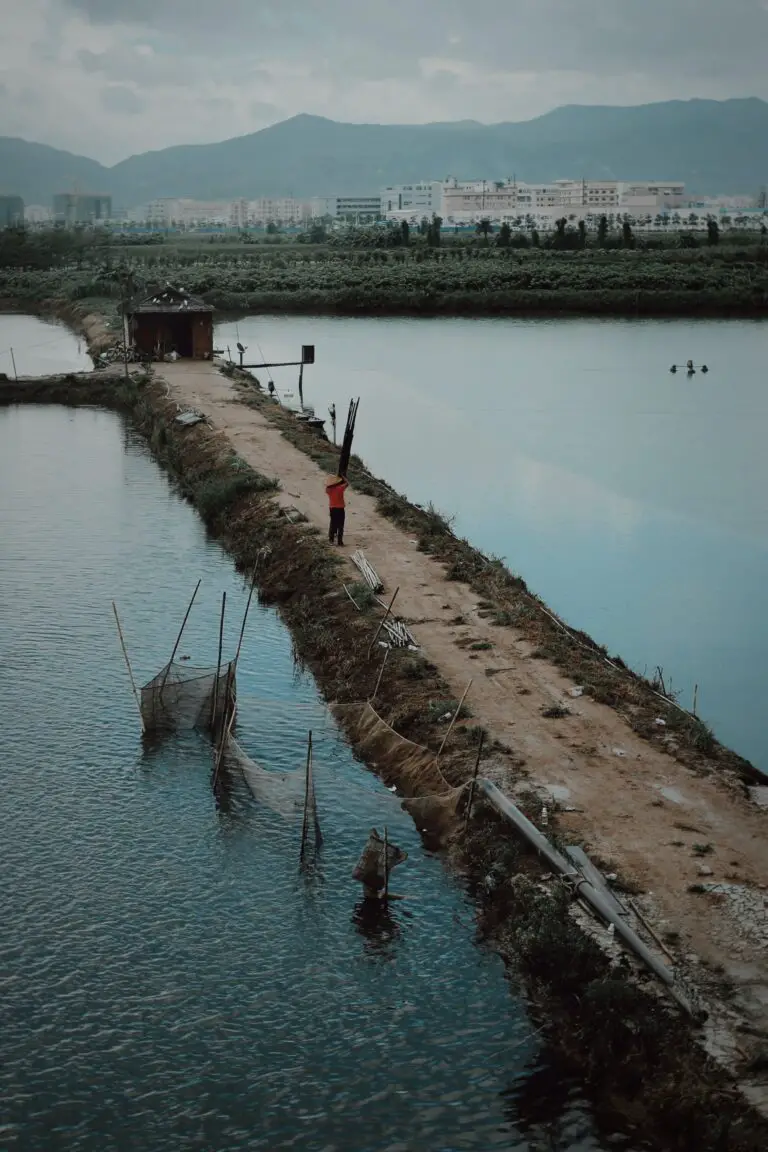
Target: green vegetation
[384,270]
[216,495]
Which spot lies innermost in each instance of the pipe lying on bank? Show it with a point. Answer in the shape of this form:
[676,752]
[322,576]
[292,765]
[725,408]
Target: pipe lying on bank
[585,889]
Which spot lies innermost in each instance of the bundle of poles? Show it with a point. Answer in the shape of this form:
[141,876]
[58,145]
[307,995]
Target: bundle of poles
[349,431]
[367,571]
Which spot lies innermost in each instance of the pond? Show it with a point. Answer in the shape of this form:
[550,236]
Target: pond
[169,978]
[30,346]
[634,501]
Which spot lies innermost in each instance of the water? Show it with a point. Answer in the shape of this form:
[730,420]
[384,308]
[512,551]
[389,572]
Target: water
[634,501]
[169,980]
[40,347]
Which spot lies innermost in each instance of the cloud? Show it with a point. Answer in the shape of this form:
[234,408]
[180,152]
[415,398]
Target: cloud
[121,76]
[122,99]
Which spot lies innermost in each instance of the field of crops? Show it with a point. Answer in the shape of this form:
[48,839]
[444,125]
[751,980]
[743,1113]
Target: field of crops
[458,279]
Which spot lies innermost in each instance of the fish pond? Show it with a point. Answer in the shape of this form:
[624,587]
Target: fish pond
[170,978]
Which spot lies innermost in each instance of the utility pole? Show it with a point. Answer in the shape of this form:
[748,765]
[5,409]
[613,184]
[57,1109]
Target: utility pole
[126,282]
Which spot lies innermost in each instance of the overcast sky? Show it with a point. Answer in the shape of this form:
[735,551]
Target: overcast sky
[107,78]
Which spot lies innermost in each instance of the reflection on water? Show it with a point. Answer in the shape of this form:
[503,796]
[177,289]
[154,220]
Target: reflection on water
[33,347]
[632,500]
[170,978]
[378,925]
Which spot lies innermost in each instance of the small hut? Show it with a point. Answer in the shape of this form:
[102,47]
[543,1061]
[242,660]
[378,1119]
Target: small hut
[171,320]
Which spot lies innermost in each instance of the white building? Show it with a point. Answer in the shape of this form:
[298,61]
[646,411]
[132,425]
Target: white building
[402,201]
[346,207]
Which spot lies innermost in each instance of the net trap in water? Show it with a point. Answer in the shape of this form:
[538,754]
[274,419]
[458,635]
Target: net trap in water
[287,794]
[182,696]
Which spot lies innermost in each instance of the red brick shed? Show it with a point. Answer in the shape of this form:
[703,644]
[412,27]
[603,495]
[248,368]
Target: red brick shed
[172,320]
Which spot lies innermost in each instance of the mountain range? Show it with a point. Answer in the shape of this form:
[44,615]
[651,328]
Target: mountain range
[714,146]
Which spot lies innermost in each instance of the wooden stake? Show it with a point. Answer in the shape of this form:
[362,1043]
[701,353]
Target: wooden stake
[218,662]
[472,785]
[307,783]
[695,697]
[453,721]
[128,666]
[381,673]
[178,638]
[13,361]
[386,864]
[381,625]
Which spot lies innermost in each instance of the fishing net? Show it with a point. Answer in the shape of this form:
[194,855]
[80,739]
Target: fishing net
[438,815]
[433,804]
[282,792]
[370,869]
[311,836]
[184,697]
[415,767]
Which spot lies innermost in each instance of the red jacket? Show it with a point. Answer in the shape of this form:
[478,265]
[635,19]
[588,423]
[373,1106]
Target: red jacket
[336,494]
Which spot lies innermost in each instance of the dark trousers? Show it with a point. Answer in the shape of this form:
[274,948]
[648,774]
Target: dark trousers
[336,528]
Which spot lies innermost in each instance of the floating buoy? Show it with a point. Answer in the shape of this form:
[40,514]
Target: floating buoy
[673,368]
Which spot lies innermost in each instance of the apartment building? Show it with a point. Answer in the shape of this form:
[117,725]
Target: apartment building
[79,208]
[11,211]
[506,200]
[171,212]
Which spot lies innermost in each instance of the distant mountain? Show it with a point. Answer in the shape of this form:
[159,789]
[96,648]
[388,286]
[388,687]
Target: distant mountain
[36,172]
[714,146]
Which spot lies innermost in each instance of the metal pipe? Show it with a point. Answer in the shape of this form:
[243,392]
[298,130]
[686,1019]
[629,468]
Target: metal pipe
[585,889]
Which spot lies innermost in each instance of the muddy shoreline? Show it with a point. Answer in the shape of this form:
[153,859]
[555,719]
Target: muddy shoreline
[641,1058]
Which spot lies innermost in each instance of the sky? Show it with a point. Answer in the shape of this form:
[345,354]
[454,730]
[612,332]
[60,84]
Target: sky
[109,78]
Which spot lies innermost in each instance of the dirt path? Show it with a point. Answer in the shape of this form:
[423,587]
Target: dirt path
[661,825]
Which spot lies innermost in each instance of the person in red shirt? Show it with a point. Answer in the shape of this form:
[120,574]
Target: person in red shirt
[335,488]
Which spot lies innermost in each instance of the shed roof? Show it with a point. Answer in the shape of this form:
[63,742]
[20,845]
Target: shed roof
[169,299]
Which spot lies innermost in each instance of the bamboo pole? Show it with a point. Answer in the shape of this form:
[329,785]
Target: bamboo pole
[381,673]
[695,697]
[386,864]
[178,638]
[453,721]
[245,617]
[381,625]
[468,813]
[128,666]
[218,662]
[654,936]
[307,781]
[13,361]
[222,746]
